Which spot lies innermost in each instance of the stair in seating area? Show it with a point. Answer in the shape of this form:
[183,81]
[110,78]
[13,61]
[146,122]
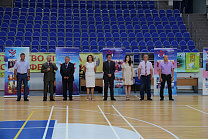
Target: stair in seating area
[199,24]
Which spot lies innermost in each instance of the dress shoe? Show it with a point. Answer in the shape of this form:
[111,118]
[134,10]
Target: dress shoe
[171,99]
[65,99]
[149,99]
[104,99]
[70,99]
[44,99]
[161,99]
[141,99]
[26,99]
[18,99]
[52,99]
[113,99]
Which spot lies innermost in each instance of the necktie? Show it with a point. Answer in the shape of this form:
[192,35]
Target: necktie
[145,68]
[66,66]
[109,67]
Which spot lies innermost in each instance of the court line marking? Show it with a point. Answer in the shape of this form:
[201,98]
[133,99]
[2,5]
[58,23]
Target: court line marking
[137,97]
[140,136]
[116,126]
[49,119]
[109,122]
[18,133]
[67,120]
[197,109]
[134,119]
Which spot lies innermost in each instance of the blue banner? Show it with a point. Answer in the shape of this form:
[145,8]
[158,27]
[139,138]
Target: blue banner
[205,71]
[118,55]
[73,54]
[12,54]
[158,58]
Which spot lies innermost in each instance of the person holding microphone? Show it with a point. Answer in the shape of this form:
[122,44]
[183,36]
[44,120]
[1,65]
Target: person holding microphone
[49,77]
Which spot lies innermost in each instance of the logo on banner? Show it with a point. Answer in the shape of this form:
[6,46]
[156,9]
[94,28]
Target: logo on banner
[12,53]
[161,53]
[109,52]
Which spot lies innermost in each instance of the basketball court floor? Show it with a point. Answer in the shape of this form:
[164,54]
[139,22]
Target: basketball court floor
[184,118]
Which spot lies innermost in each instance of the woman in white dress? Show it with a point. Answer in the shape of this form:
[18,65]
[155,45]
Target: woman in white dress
[127,71]
[90,70]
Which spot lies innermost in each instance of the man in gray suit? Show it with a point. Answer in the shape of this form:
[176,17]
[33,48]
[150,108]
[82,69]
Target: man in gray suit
[49,77]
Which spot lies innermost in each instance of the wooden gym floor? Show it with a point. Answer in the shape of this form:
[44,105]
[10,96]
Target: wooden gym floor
[185,118]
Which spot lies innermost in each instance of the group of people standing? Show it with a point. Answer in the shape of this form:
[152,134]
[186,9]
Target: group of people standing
[145,73]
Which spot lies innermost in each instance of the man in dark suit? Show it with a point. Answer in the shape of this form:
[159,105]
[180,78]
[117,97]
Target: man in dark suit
[67,73]
[108,69]
[49,77]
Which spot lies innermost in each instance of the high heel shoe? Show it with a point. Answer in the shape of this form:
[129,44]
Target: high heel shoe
[92,99]
[88,99]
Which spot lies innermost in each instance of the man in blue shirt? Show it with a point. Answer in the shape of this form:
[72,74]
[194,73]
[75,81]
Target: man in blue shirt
[22,73]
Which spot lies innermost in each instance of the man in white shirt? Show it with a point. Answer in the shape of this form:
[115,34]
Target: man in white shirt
[145,69]
[22,73]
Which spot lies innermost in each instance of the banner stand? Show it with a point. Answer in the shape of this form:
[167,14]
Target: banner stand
[73,54]
[205,72]
[158,58]
[12,54]
[118,55]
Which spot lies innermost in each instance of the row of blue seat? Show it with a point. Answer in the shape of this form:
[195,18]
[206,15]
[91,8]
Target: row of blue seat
[94,13]
[87,4]
[92,36]
[93,44]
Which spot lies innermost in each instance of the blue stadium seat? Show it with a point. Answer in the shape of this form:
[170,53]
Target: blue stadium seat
[4,27]
[9,43]
[93,36]
[135,21]
[158,44]
[34,50]
[118,44]
[107,28]
[128,21]
[144,51]
[160,29]
[155,13]
[162,13]
[183,45]
[163,37]
[164,21]
[36,36]
[100,37]
[108,37]
[52,45]
[124,37]
[176,13]
[130,28]
[18,43]
[35,44]
[114,29]
[94,51]
[91,28]
[45,28]
[155,37]
[179,20]
[106,21]
[147,36]
[93,45]
[186,36]
[126,44]
[69,43]
[195,50]
[139,37]
[101,45]
[85,45]
[172,21]
[116,37]
[152,28]
[86,50]
[61,36]
[128,51]
[167,28]
[11,36]
[14,19]
[3,35]
[44,45]
[166,44]
[122,29]
[19,35]
[157,21]
[171,36]
[77,44]
[191,45]
[179,36]
[60,44]
[175,28]
[174,44]
[186,50]
[52,50]
[132,37]
[43,50]
[109,44]
[169,13]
